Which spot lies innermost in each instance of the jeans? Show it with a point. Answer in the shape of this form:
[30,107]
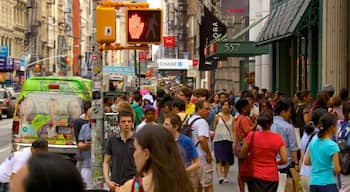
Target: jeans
[4,187]
[324,188]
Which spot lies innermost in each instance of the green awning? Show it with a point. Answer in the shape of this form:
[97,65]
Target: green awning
[283,21]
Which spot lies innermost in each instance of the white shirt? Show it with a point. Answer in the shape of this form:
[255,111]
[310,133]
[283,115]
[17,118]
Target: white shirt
[200,128]
[13,163]
[141,125]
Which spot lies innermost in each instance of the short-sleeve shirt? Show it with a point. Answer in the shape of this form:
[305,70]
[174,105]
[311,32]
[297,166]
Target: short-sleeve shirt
[123,165]
[187,149]
[321,153]
[286,130]
[190,108]
[138,113]
[13,163]
[200,128]
[85,136]
[266,146]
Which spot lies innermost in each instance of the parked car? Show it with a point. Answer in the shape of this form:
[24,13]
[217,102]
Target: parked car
[7,103]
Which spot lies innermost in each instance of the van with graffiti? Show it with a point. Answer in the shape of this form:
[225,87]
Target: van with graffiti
[46,108]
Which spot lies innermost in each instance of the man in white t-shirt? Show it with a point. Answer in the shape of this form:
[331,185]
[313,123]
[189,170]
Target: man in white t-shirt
[17,159]
[201,139]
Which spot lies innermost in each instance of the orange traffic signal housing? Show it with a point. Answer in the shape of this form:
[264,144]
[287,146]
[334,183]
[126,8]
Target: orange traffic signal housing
[105,24]
[144,26]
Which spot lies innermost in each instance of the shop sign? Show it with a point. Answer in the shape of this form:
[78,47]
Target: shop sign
[177,64]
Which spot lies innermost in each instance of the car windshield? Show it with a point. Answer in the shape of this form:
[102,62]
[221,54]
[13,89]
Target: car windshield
[48,115]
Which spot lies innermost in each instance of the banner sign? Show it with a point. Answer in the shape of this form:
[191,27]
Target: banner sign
[10,64]
[169,41]
[235,7]
[210,28]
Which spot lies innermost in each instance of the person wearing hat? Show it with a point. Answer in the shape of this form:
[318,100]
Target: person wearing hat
[18,159]
[149,112]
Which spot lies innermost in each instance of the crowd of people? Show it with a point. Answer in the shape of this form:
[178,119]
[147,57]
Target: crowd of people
[177,141]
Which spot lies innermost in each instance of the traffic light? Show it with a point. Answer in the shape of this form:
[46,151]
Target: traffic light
[37,68]
[144,26]
[67,60]
[105,24]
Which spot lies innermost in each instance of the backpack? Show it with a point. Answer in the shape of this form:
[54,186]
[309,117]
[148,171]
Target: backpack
[344,154]
[187,128]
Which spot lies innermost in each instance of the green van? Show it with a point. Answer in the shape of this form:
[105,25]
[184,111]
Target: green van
[46,108]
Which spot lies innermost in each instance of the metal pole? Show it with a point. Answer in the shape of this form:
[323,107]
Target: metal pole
[97,110]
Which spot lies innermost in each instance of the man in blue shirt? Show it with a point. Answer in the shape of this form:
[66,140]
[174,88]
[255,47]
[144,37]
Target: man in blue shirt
[188,152]
[282,126]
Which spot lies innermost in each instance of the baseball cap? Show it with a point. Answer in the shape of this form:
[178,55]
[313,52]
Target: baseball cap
[148,107]
[148,97]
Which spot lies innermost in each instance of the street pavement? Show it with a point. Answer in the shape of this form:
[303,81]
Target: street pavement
[5,138]
[231,186]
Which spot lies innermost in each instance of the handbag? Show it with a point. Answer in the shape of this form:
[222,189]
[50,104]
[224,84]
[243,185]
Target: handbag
[246,168]
[237,147]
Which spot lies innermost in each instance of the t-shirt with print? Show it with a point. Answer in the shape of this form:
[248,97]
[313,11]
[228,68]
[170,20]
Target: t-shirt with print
[200,128]
[266,146]
[187,150]
[85,136]
[321,153]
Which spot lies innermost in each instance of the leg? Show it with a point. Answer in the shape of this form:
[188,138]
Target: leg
[218,169]
[240,184]
[226,168]
[289,185]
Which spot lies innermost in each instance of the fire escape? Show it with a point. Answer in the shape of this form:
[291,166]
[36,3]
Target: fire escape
[32,41]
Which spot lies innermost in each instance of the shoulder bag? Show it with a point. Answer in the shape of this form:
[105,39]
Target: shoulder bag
[246,168]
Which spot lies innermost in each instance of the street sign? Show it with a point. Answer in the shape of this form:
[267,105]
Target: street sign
[125,70]
[10,64]
[4,52]
[3,63]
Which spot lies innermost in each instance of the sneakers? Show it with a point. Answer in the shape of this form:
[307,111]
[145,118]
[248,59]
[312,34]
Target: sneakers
[221,180]
[225,180]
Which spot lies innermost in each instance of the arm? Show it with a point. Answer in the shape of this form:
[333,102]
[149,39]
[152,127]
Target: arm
[283,155]
[112,185]
[307,160]
[84,145]
[215,123]
[336,163]
[204,144]
[196,163]
[244,150]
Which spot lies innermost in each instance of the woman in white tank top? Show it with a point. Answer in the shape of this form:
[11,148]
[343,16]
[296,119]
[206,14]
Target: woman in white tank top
[223,140]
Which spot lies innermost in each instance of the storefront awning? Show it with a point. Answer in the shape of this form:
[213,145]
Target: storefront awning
[283,21]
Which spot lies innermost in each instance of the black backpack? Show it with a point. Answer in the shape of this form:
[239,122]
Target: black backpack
[344,154]
[187,128]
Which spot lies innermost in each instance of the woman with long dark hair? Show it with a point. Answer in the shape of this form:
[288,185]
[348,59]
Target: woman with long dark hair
[158,163]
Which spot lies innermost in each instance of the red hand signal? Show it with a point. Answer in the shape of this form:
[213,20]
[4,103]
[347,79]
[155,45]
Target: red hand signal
[136,26]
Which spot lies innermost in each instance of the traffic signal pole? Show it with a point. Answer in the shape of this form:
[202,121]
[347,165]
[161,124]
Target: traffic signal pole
[104,39]
[97,110]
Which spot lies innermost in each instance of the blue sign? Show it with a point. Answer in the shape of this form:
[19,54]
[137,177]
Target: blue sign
[10,64]
[125,70]
[3,63]
[4,52]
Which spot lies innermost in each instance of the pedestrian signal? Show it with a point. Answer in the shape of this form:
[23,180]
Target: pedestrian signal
[105,24]
[37,68]
[144,26]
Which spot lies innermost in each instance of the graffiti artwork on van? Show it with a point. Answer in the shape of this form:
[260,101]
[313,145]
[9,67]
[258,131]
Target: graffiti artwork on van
[49,115]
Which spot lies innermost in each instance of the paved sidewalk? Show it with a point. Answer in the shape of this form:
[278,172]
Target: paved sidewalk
[231,186]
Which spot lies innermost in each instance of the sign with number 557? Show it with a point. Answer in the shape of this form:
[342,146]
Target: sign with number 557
[231,47]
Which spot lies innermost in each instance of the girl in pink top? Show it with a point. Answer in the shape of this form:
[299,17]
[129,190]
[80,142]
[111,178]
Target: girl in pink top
[266,145]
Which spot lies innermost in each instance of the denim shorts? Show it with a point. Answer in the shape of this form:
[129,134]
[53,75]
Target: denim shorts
[324,188]
[4,187]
